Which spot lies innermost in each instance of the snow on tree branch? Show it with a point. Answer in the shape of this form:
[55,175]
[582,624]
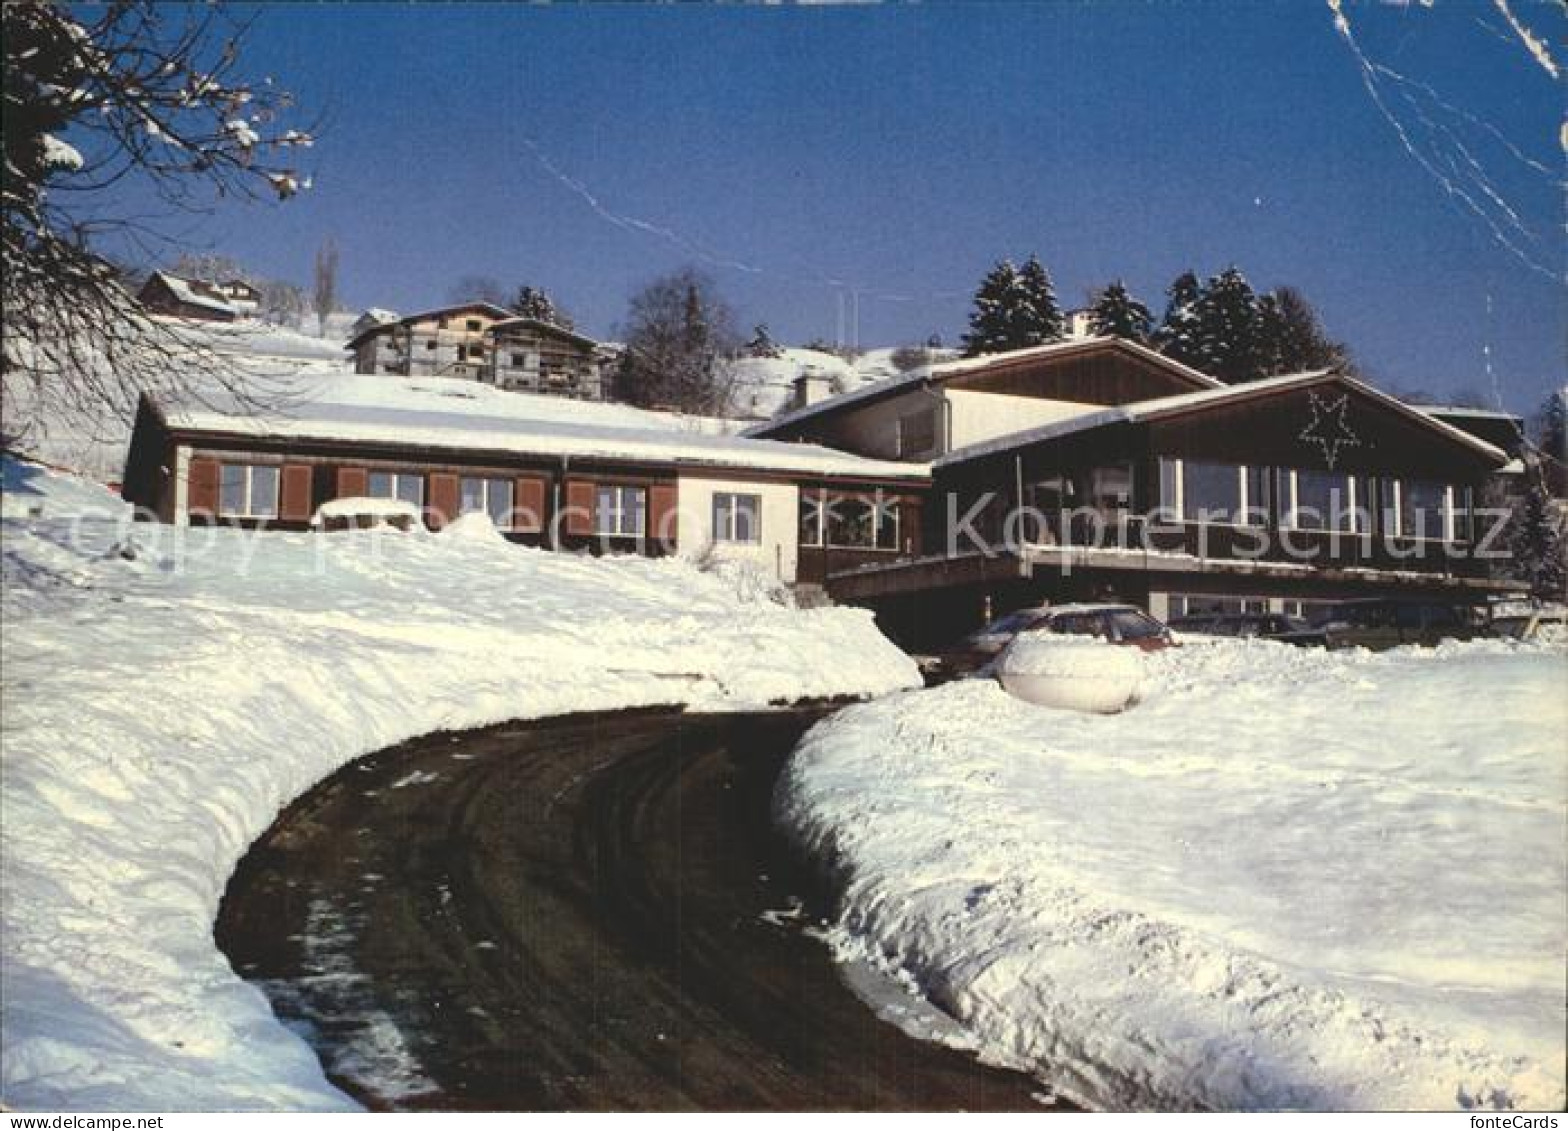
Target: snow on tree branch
[143,91]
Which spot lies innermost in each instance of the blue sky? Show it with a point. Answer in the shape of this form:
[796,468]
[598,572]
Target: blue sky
[902,150]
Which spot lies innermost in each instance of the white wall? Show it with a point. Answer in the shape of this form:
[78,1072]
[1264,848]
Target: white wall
[978,417]
[777,551]
[872,429]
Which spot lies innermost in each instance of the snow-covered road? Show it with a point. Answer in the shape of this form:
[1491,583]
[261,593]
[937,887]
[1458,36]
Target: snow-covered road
[1288,879]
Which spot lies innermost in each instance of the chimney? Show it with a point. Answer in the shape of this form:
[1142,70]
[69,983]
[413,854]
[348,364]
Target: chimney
[812,386]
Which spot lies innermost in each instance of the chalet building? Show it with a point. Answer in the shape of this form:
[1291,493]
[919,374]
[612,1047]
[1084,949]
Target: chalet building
[1097,468]
[479,341]
[168,294]
[564,475]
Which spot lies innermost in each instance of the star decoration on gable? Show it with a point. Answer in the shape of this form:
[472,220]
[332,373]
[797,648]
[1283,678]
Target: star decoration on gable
[1328,429]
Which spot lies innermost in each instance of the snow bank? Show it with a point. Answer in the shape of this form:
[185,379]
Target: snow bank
[1287,879]
[166,691]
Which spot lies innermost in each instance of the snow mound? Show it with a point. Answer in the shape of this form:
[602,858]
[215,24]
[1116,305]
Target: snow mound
[476,526]
[1070,673]
[166,693]
[1290,879]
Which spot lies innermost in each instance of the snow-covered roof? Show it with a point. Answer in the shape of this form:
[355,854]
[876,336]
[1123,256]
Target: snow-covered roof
[459,415]
[1142,411]
[191,291]
[376,315]
[1465,410]
[947,370]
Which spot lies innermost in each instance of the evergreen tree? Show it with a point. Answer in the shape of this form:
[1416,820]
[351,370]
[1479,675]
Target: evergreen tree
[1225,329]
[535,303]
[1013,310]
[1176,335]
[1536,538]
[1291,338]
[1041,318]
[1117,314]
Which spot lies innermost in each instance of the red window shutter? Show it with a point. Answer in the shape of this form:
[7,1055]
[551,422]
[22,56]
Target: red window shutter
[353,482]
[444,500]
[294,501]
[528,505]
[579,506]
[202,497]
[662,499]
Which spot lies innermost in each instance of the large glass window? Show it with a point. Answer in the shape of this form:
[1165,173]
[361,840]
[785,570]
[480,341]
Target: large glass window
[1202,491]
[862,523]
[1211,492]
[1421,509]
[488,496]
[621,512]
[397,485]
[852,523]
[811,516]
[248,491]
[737,518]
[1321,500]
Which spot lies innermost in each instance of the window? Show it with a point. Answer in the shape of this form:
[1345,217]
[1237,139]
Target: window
[811,512]
[621,512]
[862,523]
[248,491]
[490,496]
[917,433]
[397,485]
[430,343]
[519,360]
[1201,491]
[473,325]
[1110,488]
[1420,508]
[1320,500]
[737,518]
[1196,604]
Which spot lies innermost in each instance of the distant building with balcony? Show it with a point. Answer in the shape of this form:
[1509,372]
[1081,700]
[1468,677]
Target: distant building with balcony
[479,341]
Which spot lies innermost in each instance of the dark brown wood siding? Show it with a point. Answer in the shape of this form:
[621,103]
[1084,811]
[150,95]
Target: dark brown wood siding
[529,505]
[1108,377]
[1300,428]
[662,503]
[445,501]
[353,482]
[202,496]
[579,506]
[294,502]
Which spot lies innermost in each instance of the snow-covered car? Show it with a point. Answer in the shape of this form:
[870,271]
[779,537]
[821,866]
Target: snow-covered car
[1260,626]
[1113,624]
[1388,622]
[364,514]
[1540,625]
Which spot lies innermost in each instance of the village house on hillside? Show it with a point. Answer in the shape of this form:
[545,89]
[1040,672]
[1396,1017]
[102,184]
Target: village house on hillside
[227,301]
[478,341]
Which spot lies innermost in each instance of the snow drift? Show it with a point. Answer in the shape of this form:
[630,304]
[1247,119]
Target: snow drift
[167,691]
[1287,879]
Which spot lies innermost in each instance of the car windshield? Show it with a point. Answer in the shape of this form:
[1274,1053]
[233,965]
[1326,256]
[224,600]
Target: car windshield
[1129,624]
[1011,624]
